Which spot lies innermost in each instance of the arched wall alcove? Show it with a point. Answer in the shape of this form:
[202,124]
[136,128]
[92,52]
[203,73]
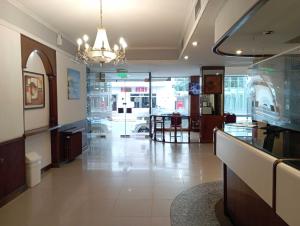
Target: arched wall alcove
[30,47]
[37,117]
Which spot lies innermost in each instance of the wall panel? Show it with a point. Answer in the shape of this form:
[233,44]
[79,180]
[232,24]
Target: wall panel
[11,90]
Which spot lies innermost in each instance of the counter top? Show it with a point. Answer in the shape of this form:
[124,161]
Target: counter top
[279,142]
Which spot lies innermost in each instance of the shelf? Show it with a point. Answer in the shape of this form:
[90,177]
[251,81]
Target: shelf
[39,130]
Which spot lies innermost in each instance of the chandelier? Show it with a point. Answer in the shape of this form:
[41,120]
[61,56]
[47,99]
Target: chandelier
[101,52]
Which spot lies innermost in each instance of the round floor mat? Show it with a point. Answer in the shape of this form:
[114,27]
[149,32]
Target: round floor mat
[197,206]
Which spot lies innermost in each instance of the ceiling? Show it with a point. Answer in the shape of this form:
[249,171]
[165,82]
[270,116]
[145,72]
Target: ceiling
[146,24]
[154,30]
[204,35]
[281,17]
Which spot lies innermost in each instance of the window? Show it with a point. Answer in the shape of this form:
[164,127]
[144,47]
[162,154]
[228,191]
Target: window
[142,100]
[236,95]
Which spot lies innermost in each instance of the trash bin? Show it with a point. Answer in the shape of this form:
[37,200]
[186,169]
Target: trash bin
[33,169]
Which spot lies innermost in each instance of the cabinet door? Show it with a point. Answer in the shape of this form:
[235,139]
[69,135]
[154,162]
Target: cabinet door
[13,166]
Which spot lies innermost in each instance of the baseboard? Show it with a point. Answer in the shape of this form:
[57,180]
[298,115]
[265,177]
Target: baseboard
[12,195]
[46,168]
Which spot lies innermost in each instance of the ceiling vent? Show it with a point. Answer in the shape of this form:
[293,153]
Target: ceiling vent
[295,40]
[197,8]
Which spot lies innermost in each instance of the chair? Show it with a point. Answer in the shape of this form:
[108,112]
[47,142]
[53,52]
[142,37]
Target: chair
[176,123]
[229,118]
[159,127]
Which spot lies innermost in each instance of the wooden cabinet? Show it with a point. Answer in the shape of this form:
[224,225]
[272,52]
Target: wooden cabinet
[207,125]
[12,169]
[71,145]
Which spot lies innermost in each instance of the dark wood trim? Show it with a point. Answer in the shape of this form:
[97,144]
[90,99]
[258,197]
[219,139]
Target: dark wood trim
[46,168]
[249,14]
[244,206]
[15,140]
[12,169]
[215,139]
[13,195]
[225,188]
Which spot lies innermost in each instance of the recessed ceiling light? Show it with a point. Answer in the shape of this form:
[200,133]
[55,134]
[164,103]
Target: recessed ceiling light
[195,43]
[239,52]
[186,57]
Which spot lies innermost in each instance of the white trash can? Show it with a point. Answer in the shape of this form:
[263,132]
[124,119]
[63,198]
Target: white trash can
[33,169]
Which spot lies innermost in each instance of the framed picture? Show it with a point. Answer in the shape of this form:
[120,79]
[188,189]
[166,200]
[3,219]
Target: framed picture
[212,84]
[34,90]
[73,84]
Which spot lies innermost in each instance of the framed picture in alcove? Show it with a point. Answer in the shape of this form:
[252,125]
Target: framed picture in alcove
[212,84]
[34,90]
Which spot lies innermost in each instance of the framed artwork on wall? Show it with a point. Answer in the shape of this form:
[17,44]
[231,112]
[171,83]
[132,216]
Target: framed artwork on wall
[34,90]
[73,84]
[212,84]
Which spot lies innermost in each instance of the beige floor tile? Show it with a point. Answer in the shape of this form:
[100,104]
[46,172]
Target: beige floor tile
[136,192]
[161,207]
[131,221]
[117,182]
[133,208]
[160,221]
[167,192]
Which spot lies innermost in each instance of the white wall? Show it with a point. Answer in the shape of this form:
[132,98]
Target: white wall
[13,120]
[11,91]
[69,110]
[230,13]
[236,71]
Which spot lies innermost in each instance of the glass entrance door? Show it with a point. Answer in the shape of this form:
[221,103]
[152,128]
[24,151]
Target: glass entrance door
[119,106]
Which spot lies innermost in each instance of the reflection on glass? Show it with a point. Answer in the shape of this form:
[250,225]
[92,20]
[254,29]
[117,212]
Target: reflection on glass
[274,90]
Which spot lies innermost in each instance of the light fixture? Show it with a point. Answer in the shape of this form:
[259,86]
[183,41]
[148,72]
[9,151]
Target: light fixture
[186,57]
[239,52]
[195,43]
[101,52]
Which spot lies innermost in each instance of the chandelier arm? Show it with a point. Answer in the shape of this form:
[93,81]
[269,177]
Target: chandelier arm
[101,15]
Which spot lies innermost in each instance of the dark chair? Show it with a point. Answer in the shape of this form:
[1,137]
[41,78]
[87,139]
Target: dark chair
[176,124]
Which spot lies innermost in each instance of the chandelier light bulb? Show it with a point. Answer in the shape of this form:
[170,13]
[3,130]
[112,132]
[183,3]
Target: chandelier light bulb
[79,42]
[123,43]
[86,45]
[116,48]
[85,38]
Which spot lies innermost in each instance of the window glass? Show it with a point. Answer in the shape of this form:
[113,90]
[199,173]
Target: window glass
[235,89]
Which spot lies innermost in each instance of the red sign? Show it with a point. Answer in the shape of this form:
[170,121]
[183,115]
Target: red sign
[179,104]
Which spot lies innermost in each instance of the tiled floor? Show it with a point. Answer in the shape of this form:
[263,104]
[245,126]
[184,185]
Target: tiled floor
[121,182]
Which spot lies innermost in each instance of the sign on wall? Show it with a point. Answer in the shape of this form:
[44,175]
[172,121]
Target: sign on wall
[34,88]
[73,84]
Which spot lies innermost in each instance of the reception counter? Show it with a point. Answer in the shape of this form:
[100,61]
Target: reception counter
[261,174]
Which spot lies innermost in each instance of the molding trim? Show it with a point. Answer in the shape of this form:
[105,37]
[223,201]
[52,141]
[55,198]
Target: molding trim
[249,14]
[30,35]
[46,168]
[13,195]
[37,18]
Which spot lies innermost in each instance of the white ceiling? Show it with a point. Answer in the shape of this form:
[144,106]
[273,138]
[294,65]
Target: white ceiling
[153,29]
[204,35]
[282,18]
[143,23]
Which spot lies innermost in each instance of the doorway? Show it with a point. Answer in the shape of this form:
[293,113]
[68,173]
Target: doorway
[119,104]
